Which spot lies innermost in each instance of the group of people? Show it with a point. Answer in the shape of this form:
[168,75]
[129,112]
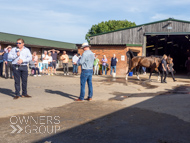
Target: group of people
[105,65]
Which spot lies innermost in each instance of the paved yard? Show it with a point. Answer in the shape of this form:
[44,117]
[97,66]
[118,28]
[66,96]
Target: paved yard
[130,111]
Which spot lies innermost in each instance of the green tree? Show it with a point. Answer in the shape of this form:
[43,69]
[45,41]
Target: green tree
[107,26]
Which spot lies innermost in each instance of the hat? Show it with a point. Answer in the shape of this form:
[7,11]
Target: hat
[85,45]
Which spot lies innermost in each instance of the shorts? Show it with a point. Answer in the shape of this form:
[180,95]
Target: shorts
[54,65]
[50,64]
[45,65]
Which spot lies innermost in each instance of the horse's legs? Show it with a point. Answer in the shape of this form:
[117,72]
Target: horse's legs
[130,69]
[151,70]
[137,72]
[156,69]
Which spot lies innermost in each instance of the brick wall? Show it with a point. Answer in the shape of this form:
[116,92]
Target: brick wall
[109,51]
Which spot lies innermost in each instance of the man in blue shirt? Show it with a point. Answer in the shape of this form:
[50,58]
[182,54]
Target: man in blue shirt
[86,62]
[8,63]
[20,56]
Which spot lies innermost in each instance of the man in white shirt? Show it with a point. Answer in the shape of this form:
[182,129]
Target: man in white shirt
[45,59]
[75,66]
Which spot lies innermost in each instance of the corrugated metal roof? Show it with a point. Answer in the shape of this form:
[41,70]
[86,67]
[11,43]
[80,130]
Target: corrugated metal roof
[169,19]
[11,38]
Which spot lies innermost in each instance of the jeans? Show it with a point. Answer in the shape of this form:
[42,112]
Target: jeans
[8,69]
[113,67]
[36,69]
[144,69]
[86,75]
[75,68]
[164,74]
[96,69]
[20,72]
[1,68]
[104,68]
[65,65]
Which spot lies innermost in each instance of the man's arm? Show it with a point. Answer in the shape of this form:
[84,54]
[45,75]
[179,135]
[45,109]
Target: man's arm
[12,54]
[82,59]
[57,51]
[49,51]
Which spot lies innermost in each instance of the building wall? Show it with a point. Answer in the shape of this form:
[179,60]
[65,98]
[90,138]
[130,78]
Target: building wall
[109,51]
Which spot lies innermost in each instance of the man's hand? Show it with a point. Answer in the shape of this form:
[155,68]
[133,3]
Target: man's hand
[18,54]
[20,61]
[5,62]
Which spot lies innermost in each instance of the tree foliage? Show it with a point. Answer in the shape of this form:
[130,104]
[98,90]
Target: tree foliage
[107,26]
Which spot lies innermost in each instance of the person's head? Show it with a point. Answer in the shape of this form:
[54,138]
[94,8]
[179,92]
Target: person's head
[53,50]
[104,56]
[188,58]
[64,52]
[114,55]
[49,54]
[45,52]
[20,43]
[164,57]
[9,48]
[34,53]
[85,46]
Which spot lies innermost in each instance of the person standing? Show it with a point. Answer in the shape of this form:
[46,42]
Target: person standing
[75,66]
[164,69]
[104,63]
[50,64]
[96,65]
[114,61]
[20,56]
[8,64]
[54,57]
[45,59]
[170,69]
[65,60]
[86,61]
[1,61]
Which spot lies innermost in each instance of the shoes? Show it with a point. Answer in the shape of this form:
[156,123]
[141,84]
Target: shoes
[67,73]
[39,75]
[34,75]
[16,97]
[165,81]
[78,99]
[175,80]
[28,96]
[64,73]
[51,74]
[48,74]
[89,99]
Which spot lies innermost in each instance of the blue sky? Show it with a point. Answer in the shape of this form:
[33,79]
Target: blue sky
[70,20]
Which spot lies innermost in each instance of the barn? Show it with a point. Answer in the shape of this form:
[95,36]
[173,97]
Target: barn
[169,36]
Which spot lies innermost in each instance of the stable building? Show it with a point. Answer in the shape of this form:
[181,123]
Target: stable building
[38,45]
[169,36]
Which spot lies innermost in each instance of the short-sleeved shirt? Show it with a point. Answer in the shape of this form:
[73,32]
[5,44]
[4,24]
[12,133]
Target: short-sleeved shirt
[104,60]
[66,58]
[96,61]
[54,56]
[46,59]
[165,65]
[36,58]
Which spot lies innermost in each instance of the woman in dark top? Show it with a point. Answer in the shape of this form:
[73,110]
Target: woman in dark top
[164,71]
[170,69]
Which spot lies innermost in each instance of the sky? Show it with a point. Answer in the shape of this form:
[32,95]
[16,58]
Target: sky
[70,20]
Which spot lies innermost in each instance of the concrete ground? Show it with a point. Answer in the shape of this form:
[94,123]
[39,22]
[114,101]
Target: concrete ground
[130,111]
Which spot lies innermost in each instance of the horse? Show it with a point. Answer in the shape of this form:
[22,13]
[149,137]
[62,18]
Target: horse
[152,62]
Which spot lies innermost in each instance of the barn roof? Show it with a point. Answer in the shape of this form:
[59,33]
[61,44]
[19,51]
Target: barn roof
[169,19]
[36,42]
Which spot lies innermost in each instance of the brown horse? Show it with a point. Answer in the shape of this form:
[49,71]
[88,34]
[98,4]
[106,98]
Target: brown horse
[151,62]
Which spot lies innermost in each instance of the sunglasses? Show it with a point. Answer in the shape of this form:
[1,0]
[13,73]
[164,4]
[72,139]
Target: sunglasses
[18,43]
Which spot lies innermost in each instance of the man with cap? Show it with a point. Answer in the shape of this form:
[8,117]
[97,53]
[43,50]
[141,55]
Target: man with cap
[86,61]
[8,63]
[20,56]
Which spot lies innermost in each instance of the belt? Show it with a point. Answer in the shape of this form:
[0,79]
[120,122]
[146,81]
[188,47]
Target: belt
[19,65]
